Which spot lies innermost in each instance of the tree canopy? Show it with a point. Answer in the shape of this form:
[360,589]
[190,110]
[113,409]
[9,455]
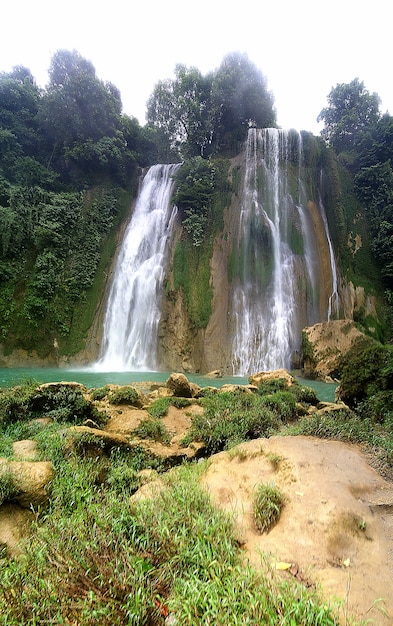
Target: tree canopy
[203,115]
[363,140]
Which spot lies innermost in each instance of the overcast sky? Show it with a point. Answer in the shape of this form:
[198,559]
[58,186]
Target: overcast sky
[303,47]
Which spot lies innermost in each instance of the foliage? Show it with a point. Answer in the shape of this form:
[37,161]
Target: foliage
[351,109]
[99,393]
[367,379]
[283,403]
[60,402]
[201,115]
[240,99]
[231,417]
[362,138]
[267,506]
[98,559]
[152,429]
[159,408]
[124,395]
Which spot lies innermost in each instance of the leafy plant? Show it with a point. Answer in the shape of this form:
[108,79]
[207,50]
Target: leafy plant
[8,489]
[124,395]
[100,392]
[152,429]
[160,407]
[230,418]
[267,507]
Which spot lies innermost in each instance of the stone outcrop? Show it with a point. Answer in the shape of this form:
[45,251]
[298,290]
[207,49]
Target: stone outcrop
[261,377]
[324,344]
[181,387]
[29,481]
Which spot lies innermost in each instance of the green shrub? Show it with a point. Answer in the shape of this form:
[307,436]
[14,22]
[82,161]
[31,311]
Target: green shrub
[272,385]
[8,489]
[15,402]
[283,403]
[124,395]
[123,478]
[230,418]
[367,379]
[160,407]
[100,392]
[152,429]
[267,506]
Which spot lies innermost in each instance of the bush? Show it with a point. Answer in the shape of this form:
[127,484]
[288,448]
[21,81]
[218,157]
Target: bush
[367,379]
[230,418]
[267,506]
[152,429]
[15,403]
[124,395]
[100,392]
[283,403]
[160,407]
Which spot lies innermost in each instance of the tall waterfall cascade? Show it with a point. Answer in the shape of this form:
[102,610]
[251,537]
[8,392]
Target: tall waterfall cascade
[133,307]
[277,282]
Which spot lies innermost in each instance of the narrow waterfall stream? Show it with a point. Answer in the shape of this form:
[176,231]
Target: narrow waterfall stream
[275,292]
[133,307]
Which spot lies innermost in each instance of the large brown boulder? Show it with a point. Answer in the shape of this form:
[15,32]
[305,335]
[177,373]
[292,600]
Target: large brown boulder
[181,386]
[324,344]
[280,374]
[29,481]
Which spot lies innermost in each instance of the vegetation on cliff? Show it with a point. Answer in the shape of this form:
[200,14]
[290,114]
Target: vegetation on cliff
[361,137]
[68,171]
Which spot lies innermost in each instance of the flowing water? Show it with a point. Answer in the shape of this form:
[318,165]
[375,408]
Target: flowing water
[277,277]
[133,307]
[275,293]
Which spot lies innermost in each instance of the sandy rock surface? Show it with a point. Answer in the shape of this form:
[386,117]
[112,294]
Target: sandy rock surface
[336,528]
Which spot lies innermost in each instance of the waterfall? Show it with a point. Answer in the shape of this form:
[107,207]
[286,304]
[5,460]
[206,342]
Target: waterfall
[334,302]
[275,282]
[133,307]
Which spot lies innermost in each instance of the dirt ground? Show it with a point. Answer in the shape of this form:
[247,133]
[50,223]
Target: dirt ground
[336,528]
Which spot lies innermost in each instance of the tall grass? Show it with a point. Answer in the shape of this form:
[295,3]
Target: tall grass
[110,561]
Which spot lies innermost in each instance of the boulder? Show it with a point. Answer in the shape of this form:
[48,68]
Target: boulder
[14,526]
[214,374]
[181,387]
[93,441]
[260,377]
[25,450]
[29,481]
[324,344]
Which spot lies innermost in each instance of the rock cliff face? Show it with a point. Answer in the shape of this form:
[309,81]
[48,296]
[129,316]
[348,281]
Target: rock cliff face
[186,348]
[324,343]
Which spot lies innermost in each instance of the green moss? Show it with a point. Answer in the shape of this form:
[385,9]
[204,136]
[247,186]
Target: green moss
[191,272]
[124,395]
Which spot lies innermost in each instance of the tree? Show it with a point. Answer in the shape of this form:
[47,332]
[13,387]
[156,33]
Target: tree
[350,112]
[203,115]
[19,104]
[240,99]
[81,118]
[178,107]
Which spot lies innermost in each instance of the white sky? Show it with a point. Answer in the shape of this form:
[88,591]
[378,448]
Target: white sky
[303,47]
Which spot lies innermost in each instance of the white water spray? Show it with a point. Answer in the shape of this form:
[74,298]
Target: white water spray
[133,307]
[275,291]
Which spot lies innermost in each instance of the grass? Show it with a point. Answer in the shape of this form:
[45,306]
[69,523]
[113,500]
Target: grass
[124,395]
[152,429]
[96,558]
[267,506]
[160,407]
